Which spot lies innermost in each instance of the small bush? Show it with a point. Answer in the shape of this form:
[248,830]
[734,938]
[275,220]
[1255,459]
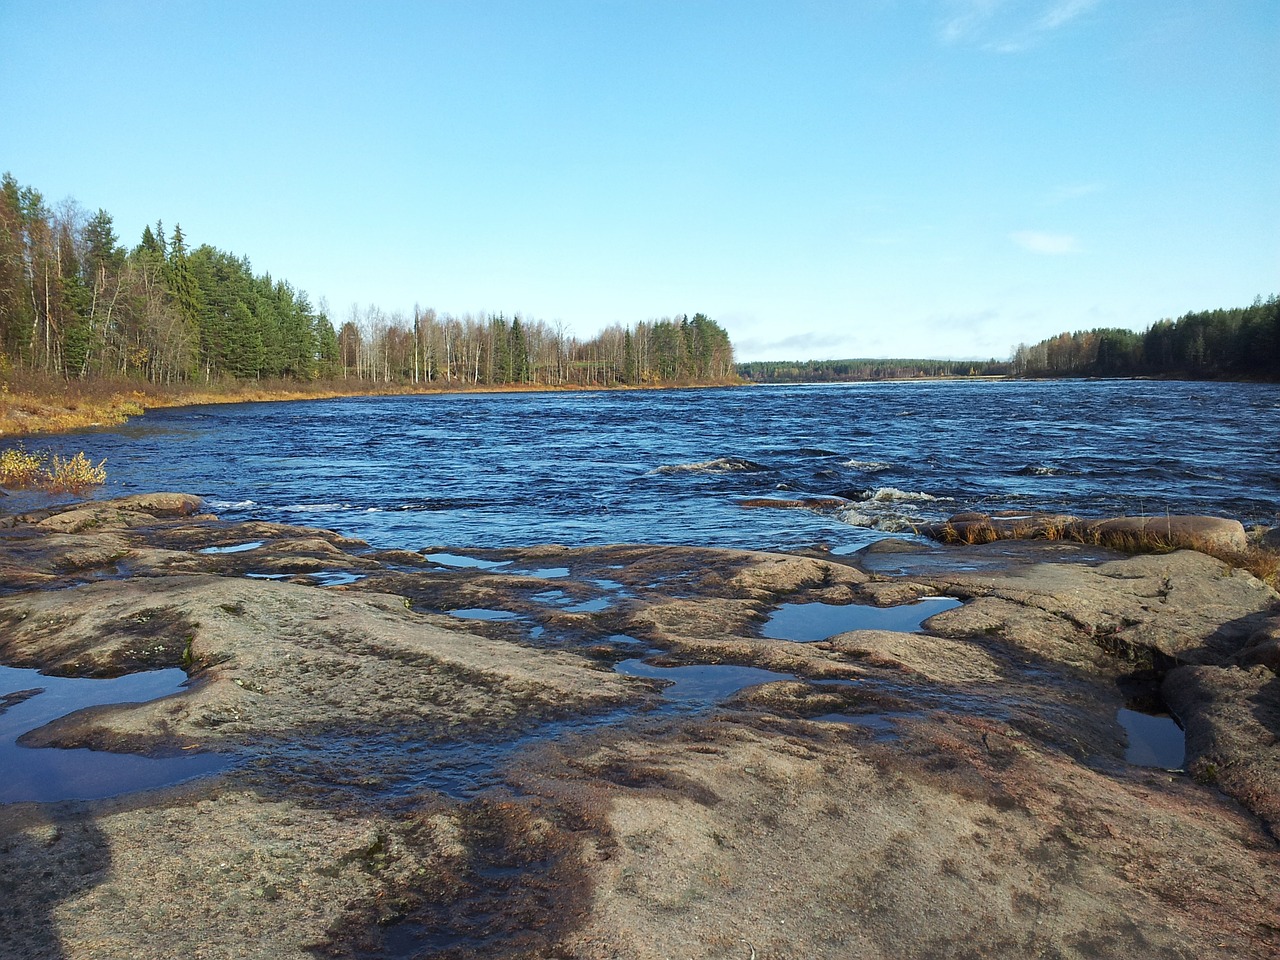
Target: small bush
[18,469]
[75,473]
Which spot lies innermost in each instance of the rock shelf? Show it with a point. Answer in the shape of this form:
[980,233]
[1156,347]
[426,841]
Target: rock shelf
[400,782]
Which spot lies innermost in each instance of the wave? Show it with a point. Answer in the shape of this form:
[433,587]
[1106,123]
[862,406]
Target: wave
[867,466]
[318,508]
[718,465]
[893,494]
[229,504]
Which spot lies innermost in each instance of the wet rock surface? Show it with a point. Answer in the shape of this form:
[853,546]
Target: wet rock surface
[409,774]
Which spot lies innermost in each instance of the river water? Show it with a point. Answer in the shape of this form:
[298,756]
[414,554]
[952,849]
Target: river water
[674,466]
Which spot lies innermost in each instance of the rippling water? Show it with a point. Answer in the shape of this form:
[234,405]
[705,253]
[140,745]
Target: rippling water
[672,466]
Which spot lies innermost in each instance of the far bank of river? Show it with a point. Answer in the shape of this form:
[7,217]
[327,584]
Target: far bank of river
[60,407]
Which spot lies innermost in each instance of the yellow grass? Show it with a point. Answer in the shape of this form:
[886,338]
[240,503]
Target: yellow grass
[37,405]
[1259,561]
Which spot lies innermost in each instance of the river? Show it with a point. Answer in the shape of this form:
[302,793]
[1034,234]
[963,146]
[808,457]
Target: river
[673,466]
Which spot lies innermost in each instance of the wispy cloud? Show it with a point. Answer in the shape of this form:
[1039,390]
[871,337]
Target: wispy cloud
[1008,26]
[811,344]
[1051,244]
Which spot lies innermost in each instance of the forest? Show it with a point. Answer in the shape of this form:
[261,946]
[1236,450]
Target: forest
[838,371]
[1239,343]
[77,305]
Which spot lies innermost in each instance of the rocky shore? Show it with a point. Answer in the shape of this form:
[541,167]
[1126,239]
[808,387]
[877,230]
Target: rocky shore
[598,753]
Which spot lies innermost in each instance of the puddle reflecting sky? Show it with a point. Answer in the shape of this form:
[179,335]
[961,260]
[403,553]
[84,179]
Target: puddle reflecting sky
[49,774]
[807,622]
[1154,741]
[701,684]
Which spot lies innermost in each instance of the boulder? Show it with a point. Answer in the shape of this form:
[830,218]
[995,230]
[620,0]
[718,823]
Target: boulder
[1206,534]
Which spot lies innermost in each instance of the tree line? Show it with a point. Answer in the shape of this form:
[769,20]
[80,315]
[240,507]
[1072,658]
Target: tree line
[1242,342]
[838,371]
[76,304]
[482,349]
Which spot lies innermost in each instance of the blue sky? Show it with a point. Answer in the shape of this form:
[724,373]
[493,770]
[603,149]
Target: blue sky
[940,178]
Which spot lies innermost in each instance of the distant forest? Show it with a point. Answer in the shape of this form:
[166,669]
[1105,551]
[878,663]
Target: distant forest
[75,304]
[837,371]
[1241,343]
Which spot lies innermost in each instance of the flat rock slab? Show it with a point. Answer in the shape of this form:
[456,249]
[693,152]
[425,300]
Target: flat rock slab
[406,782]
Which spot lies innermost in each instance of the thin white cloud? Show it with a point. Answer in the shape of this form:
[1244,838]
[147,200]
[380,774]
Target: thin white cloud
[1063,12]
[810,344]
[1008,26]
[1051,244]
[966,18]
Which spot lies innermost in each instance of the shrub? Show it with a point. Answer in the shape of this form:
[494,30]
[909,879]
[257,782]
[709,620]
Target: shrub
[75,473]
[18,468]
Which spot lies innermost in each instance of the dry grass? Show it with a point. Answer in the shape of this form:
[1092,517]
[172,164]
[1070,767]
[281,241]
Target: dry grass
[1257,560]
[33,405]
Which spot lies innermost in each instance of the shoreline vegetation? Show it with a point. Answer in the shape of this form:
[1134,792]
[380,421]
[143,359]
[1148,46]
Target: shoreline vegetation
[31,406]
[79,309]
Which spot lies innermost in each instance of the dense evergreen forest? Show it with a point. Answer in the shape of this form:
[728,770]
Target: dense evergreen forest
[837,371]
[77,305]
[1241,343]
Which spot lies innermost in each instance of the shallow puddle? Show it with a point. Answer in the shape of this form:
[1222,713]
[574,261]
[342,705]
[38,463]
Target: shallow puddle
[234,548]
[457,560]
[481,613]
[562,601]
[542,573]
[49,774]
[1154,740]
[323,578]
[883,726]
[701,685]
[806,622]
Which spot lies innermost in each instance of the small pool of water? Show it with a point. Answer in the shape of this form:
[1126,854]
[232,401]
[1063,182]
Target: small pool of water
[48,774]
[1154,740]
[457,560]
[234,548]
[807,622]
[323,578]
[882,726]
[542,573]
[481,613]
[701,685]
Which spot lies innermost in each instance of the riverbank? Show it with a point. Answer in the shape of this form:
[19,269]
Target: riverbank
[642,751]
[33,408]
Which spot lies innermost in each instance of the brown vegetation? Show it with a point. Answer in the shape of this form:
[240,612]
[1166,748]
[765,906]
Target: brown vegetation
[37,406]
[1256,559]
